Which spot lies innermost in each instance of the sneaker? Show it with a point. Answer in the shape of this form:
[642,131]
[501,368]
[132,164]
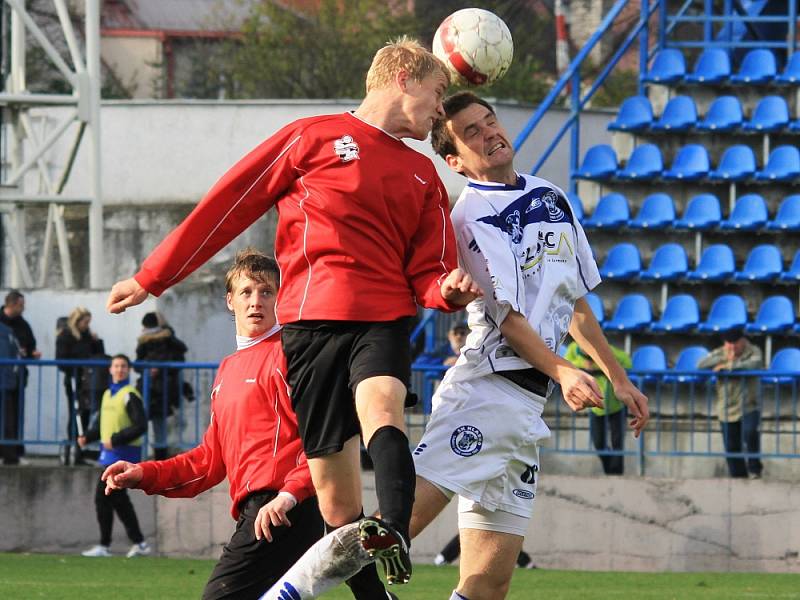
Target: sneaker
[383,543]
[439,560]
[754,475]
[141,549]
[98,551]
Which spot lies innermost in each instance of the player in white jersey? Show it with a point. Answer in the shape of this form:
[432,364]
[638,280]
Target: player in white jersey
[518,237]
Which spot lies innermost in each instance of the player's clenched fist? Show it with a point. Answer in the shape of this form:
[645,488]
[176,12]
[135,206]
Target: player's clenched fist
[459,288]
[124,294]
[122,474]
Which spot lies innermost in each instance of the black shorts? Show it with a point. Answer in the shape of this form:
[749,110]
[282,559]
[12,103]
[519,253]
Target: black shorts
[326,360]
[249,567]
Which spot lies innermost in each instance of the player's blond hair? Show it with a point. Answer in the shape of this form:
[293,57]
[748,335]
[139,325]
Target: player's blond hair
[254,264]
[407,54]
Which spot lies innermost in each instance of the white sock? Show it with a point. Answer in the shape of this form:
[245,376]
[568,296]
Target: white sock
[329,562]
[457,596]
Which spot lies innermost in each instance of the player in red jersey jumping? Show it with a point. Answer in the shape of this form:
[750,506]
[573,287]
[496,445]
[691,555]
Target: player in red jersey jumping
[363,235]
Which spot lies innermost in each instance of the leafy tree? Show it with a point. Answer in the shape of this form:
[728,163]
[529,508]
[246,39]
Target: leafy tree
[324,54]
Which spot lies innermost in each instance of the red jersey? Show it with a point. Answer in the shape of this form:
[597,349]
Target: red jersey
[363,223]
[252,436]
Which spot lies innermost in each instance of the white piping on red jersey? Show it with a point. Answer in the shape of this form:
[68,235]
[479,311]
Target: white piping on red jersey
[232,208]
[305,248]
[444,236]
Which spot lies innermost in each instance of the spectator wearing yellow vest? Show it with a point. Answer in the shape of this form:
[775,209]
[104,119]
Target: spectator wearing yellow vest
[120,426]
[612,413]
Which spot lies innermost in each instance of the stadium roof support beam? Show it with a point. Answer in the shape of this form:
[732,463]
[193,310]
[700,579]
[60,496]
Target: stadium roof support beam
[28,150]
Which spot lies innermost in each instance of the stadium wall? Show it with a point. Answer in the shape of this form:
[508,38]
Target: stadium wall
[579,523]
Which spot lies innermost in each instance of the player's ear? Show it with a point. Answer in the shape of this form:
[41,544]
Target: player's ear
[228,298]
[454,162]
[401,79]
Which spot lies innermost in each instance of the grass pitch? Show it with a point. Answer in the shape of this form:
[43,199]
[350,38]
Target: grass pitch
[66,577]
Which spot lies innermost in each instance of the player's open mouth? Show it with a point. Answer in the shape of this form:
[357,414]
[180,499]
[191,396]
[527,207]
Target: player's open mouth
[256,316]
[496,147]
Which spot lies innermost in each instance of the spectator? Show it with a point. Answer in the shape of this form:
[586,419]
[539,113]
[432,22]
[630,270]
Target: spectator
[11,315]
[737,401]
[456,338]
[77,342]
[158,343]
[120,427]
[611,418]
[9,398]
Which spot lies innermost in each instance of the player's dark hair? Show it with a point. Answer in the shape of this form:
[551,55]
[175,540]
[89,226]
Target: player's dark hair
[256,265]
[13,297]
[122,357]
[441,138]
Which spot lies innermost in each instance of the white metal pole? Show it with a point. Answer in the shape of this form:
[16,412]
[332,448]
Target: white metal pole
[16,157]
[96,206]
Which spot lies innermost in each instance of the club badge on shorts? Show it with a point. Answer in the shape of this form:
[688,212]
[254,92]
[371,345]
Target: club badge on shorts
[466,440]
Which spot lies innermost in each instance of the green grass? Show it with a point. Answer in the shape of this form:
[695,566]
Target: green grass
[31,576]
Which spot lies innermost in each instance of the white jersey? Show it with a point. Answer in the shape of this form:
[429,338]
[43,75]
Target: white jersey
[523,246]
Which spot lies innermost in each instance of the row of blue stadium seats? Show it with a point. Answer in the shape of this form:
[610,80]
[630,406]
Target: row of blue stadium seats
[724,114]
[691,163]
[713,66]
[633,313]
[702,213]
[717,263]
[653,358]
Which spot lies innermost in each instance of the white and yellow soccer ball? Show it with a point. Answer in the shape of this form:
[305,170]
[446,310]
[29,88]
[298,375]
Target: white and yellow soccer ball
[476,46]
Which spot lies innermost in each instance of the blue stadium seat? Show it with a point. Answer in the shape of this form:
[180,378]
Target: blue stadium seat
[763,263]
[596,304]
[577,206]
[645,163]
[622,263]
[738,163]
[668,66]
[633,313]
[791,74]
[724,114]
[681,314]
[794,126]
[690,164]
[749,214]
[783,164]
[758,67]
[702,213]
[792,274]
[657,212]
[635,114]
[599,163]
[687,361]
[611,211]
[784,367]
[788,216]
[712,66]
[727,312]
[680,114]
[716,264]
[771,114]
[669,263]
[649,358]
[775,315]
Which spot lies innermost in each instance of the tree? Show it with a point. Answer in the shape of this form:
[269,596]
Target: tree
[324,54]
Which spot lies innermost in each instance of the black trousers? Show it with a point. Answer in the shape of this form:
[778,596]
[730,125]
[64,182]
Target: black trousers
[249,567]
[116,502]
[11,403]
[612,465]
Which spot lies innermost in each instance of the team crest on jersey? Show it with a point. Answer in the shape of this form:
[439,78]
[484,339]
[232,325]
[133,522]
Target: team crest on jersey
[346,148]
[466,440]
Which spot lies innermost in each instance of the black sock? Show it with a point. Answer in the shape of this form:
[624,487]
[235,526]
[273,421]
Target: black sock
[364,585]
[394,477]
[452,549]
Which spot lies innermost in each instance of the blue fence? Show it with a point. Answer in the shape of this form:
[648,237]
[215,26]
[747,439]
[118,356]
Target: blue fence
[684,407]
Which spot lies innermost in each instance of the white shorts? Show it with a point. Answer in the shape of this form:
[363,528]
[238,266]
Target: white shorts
[481,444]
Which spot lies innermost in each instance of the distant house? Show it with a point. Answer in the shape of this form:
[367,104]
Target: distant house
[161,49]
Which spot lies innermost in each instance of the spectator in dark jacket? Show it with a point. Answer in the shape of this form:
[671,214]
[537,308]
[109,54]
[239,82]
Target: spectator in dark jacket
[158,343]
[77,342]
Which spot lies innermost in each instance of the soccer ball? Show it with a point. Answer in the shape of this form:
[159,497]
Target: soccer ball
[476,46]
